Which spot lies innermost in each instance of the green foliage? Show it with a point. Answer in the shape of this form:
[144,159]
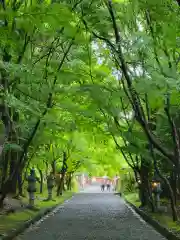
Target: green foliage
[11,146]
[15,220]
[133,198]
[63,88]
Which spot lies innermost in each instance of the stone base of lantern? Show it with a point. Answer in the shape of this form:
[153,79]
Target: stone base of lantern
[31,200]
[157,201]
[49,194]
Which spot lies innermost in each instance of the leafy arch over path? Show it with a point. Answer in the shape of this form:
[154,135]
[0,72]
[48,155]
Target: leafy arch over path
[73,69]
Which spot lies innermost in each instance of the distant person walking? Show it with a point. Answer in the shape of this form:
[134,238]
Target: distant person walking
[102,187]
[108,186]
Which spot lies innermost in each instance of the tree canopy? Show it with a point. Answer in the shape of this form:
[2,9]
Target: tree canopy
[94,81]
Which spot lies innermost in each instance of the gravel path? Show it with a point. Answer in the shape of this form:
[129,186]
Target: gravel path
[92,216]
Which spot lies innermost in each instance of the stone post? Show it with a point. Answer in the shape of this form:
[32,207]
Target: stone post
[157,191]
[50,185]
[31,187]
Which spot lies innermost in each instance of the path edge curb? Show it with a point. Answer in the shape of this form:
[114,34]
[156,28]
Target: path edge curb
[155,224]
[42,213]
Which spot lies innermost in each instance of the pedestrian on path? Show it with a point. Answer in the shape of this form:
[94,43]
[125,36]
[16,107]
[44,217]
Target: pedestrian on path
[108,186]
[102,187]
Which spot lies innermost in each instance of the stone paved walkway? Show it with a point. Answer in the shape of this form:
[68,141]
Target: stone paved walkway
[92,216]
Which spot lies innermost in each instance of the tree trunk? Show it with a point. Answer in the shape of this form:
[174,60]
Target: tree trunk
[3,196]
[20,184]
[144,174]
[173,203]
[41,180]
[60,185]
[69,182]
[5,191]
[63,173]
[174,185]
[172,198]
[4,182]
[59,188]
[64,188]
[14,180]
[53,165]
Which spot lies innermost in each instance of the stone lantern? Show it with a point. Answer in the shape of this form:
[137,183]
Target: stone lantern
[31,179]
[156,189]
[50,185]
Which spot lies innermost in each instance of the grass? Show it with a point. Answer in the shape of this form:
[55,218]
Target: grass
[166,221]
[162,218]
[133,198]
[14,220]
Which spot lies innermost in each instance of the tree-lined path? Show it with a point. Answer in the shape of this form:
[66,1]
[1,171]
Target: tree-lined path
[92,216]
